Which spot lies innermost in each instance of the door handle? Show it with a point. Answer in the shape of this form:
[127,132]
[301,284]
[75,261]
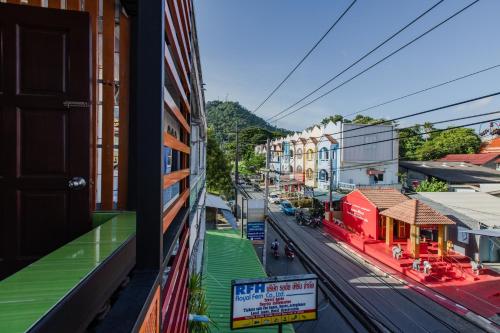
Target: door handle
[76,183]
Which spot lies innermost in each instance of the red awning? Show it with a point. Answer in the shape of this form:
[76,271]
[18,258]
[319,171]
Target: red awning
[374,172]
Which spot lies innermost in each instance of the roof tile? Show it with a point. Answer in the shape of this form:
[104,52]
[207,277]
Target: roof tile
[477,159]
[383,198]
[416,212]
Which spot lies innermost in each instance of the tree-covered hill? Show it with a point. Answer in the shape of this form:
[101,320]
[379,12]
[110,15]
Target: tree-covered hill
[222,117]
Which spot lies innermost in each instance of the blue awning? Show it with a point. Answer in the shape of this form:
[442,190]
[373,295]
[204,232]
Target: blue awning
[484,232]
[230,218]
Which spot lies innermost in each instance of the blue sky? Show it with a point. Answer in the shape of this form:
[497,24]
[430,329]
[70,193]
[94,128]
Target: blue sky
[248,46]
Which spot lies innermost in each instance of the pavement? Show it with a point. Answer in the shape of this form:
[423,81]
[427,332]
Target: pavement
[387,299]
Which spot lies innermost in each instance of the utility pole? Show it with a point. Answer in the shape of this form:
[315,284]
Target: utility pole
[266,195]
[242,210]
[236,176]
[330,212]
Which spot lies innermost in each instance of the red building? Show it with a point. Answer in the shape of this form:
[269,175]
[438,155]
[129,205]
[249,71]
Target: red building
[361,212]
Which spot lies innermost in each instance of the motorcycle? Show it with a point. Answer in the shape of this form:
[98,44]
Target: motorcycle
[276,254]
[300,218]
[315,222]
[290,254]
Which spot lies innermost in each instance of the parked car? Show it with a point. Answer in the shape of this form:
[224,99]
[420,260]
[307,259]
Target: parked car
[274,198]
[287,208]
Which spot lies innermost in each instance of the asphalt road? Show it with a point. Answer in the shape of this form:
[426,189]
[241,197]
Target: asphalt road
[328,316]
[389,301]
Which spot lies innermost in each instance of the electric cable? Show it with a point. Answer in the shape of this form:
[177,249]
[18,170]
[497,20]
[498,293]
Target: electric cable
[375,64]
[305,57]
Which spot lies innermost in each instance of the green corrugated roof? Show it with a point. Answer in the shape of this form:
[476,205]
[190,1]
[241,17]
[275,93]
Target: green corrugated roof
[26,296]
[228,257]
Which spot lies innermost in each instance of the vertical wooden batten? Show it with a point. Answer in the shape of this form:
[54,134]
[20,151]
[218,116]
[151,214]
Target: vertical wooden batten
[108,105]
[54,4]
[93,8]
[73,4]
[124,111]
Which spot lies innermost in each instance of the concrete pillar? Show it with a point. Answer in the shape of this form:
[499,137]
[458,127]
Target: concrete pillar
[441,241]
[415,241]
[389,227]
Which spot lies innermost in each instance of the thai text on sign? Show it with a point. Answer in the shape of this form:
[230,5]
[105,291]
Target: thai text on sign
[271,301]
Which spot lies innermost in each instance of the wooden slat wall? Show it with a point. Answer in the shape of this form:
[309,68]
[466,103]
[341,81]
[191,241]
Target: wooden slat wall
[124,112]
[108,104]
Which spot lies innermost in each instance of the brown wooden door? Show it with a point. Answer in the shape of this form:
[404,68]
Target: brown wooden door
[44,141]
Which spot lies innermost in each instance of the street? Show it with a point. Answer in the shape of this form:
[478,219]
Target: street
[390,302]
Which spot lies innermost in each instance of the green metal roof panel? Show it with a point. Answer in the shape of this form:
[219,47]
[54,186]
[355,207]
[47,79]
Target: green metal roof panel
[228,257]
[30,293]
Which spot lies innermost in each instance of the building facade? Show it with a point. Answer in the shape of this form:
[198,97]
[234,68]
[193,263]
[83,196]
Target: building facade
[354,155]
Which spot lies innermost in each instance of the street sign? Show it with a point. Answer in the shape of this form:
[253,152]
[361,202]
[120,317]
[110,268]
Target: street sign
[273,301]
[255,231]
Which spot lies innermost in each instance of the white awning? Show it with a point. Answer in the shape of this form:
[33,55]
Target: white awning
[484,232]
[216,202]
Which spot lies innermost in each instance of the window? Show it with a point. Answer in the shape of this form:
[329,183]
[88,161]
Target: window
[323,175]
[310,155]
[309,174]
[323,154]
[291,153]
[299,153]
[378,178]
[290,169]
[299,169]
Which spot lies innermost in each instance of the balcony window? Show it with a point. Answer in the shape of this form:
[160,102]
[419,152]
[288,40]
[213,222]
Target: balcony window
[170,194]
[323,175]
[323,154]
[309,174]
[310,154]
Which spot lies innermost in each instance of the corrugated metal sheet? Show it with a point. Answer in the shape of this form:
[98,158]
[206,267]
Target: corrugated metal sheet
[228,257]
[362,136]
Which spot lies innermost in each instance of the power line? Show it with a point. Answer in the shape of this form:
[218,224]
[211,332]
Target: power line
[360,59]
[407,136]
[305,57]
[416,113]
[380,61]
[423,90]
[434,123]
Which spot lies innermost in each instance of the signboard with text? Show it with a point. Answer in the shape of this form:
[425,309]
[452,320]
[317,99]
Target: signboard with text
[256,231]
[273,301]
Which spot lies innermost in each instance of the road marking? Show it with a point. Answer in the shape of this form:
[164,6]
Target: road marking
[441,297]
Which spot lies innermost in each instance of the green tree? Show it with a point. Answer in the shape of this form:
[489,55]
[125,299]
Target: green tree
[335,118]
[410,141]
[222,117]
[360,119]
[218,169]
[254,162]
[432,185]
[452,141]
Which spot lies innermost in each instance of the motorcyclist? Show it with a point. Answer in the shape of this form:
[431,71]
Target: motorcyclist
[300,216]
[275,246]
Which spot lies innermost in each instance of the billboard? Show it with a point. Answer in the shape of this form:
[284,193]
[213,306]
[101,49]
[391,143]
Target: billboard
[256,231]
[273,301]
[255,210]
